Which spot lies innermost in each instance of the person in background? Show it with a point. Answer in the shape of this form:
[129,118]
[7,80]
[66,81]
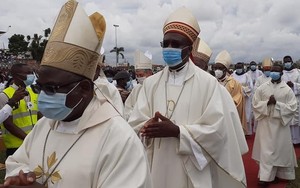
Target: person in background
[254,72]
[107,89]
[220,68]
[291,75]
[266,69]
[274,105]
[247,87]
[82,141]
[143,69]
[123,84]
[178,122]
[201,54]
[25,115]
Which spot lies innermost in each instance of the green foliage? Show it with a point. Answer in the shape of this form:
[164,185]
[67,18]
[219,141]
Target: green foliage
[118,52]
[17,44]
[38,44]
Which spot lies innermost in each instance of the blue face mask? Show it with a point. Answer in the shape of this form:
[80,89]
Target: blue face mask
[267,73]
[253,67]
[239,71]
[172,56]
[54,106]
[128,84]
[275,75]
[288,65]
[29,79]
[110,79]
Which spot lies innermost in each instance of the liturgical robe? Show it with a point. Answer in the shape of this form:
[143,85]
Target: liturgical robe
[273,144]
[108,155]
[206,153]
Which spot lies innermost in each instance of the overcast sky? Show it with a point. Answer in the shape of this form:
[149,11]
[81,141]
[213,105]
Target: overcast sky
[248,29]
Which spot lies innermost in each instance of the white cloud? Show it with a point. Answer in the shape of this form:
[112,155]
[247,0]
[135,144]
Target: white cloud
[249,30]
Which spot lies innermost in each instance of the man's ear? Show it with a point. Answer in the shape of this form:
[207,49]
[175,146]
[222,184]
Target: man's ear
[85,86]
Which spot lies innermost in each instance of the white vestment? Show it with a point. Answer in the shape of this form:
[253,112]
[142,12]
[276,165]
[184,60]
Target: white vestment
[260,80]
[131,100]
[273,145]
[254,75]
[104,88]
[294,76]
[107,155]
[247,85]
[207,152]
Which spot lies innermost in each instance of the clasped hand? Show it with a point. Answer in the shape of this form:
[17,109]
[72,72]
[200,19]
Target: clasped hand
[272,100]
[23,180]
[159,126]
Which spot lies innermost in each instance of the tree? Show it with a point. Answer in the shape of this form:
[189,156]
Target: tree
[38,44]
[17,44]
[118,52]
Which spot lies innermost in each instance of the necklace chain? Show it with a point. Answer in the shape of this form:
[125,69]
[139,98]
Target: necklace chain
[44,149]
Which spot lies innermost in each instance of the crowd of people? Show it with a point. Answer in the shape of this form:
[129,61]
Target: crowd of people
[72,123]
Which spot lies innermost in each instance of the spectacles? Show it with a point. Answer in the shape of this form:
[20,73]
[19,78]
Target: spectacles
[49,89]
[173,44]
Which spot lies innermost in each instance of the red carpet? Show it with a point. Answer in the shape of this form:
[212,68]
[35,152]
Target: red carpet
[251,167]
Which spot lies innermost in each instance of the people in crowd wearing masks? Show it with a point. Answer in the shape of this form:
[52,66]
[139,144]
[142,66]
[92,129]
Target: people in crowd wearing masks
[25,115]
[143,69]
[104,88]
[254,72]
[247,88]
[291,76]
[177,118]
[220,68]
[123,82]
[274,105]
[81,141]
[201,54]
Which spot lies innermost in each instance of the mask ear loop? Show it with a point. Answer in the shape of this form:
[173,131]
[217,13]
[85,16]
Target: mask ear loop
[71,91]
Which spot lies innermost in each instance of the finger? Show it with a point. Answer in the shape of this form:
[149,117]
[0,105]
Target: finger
[23,178]
[31,177]
[161,117]
[14,180]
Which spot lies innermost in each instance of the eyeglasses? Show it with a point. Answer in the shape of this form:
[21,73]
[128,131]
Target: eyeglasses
[49,89]
[173,44]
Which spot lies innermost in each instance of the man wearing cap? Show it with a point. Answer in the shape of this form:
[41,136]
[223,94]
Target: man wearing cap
[143,69]
[182,119]
[220,68]
[274,105]
[291,76]
[104,88]
[123,83]
[201,54]
[82,141]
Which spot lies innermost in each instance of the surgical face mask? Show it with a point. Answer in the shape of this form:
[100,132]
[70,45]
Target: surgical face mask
[239,71]
[30,78]
[172,56]
[288,65]
[267,73]
[54,106]
[128,84]
[218,73]
[110,79]
[275,75]
[141,79]
[253,67]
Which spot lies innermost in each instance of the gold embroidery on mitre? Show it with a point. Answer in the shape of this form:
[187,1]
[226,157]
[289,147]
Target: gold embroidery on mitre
[99,25]
[71,58]
[63,21]
[190,32]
